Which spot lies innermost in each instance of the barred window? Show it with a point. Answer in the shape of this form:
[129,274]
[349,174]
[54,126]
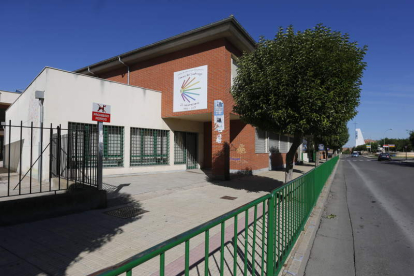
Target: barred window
[84,142]
[284,144]
[260,141]
[179,148]
[149,147]
[274,141]
[113,146]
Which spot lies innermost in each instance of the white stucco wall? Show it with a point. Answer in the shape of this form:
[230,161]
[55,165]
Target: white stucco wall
[69,97]
[24,110]
[8,97]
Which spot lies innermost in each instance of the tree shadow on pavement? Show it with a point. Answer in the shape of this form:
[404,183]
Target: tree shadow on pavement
[69,245]
[250,183]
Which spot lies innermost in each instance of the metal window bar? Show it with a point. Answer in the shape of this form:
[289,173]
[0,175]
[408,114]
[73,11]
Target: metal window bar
[84,143]
[278,218]
[149,147]
[180,153]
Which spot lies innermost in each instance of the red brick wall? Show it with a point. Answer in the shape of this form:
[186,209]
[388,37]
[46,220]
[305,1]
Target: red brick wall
[158,73]
[242,148]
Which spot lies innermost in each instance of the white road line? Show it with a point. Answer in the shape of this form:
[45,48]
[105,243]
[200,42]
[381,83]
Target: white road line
[388,205]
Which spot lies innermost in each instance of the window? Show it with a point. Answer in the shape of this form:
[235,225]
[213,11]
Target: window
[274,142]
[84,142]
[179,147]
[260,141]
[149,147]
[284,144]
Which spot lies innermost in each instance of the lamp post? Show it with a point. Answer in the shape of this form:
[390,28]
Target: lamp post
[384,139]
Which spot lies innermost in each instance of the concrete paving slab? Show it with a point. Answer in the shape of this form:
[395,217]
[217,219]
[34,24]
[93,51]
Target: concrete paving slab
[80,244]
[334,236]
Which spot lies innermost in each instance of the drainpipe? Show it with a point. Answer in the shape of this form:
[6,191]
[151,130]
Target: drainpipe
[119,59]
[89,70]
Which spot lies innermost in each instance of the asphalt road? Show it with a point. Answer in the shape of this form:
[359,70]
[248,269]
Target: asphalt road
[368,222]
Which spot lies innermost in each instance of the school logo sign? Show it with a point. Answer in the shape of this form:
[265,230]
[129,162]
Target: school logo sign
[190,89]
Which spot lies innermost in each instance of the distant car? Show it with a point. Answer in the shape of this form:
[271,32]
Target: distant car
[354,154]
[384,156]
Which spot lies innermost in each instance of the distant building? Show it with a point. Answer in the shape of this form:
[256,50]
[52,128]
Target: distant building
[7,98]
[359,139]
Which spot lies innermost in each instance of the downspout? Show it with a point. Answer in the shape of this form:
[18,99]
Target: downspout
[119,59]
[89,70]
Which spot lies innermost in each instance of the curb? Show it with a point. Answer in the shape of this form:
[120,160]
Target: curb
[299,256]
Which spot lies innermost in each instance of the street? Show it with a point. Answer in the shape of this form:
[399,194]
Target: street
[368,223]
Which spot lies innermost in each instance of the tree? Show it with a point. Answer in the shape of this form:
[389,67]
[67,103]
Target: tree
[411,138]
[336,138]
[300,83]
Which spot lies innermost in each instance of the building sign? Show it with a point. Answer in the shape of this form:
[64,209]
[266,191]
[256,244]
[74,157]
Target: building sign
[190,89]
[218,115]
[218,139]
[391,145]
[321,147]
[101,112]
[368,146]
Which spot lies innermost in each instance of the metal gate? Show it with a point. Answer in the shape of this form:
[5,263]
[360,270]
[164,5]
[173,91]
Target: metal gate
[191,146]
[185,149]
[40,159]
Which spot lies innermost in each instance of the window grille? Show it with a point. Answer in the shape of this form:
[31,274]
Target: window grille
[84,142]
[179,148]
[274,142]
[149,147]
[260,141]
[284,144]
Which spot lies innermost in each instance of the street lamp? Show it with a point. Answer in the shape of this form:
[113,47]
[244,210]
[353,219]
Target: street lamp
[384,139]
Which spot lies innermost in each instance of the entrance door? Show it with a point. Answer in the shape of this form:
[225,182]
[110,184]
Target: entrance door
[185,149]
[191,145]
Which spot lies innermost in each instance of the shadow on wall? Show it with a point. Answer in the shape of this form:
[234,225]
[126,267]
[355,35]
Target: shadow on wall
[277,160]
[56,244]
[221,164]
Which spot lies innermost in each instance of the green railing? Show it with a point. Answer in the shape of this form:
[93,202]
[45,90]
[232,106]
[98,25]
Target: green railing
[254,239]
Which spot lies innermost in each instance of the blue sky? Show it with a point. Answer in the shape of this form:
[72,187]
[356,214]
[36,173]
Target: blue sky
[72,34]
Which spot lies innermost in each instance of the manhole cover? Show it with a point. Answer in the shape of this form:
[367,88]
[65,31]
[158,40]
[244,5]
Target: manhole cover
[228,197]
[126,212]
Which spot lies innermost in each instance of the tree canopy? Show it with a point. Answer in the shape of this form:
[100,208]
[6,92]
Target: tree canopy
[300,83]
[411,138]
[336,139]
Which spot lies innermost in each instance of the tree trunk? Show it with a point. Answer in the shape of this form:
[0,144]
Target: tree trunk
[326,152]
[316,152]
[297,140]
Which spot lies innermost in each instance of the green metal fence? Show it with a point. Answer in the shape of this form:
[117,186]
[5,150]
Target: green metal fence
[254,239]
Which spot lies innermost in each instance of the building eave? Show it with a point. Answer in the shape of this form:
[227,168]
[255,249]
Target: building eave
[228,28]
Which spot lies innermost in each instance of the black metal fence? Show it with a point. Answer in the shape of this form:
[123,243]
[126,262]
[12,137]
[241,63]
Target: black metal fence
[40,159]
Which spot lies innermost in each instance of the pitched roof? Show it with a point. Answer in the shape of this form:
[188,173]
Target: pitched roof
[228,28]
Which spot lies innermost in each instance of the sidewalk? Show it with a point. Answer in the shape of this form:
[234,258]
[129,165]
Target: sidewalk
[332,252]
[168,204]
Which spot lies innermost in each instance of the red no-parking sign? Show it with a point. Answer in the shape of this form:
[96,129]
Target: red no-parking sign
[101,112]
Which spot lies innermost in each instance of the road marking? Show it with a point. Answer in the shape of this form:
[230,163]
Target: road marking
[390,207]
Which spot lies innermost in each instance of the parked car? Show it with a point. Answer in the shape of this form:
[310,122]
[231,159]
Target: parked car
[355,154]
[384,156]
